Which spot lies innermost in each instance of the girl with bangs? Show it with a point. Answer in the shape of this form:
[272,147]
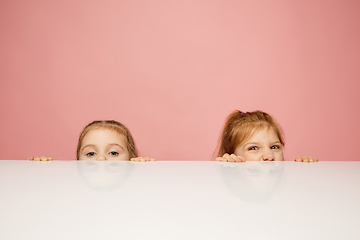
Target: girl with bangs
[253,136]
[106,140]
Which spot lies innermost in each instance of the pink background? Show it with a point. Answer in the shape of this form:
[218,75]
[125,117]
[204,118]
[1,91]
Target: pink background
[173,70]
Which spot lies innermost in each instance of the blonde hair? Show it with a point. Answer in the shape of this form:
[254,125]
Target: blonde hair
[240,126]
[110,125]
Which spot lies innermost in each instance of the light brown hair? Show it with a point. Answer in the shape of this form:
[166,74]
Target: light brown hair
[240,126]
[110,125]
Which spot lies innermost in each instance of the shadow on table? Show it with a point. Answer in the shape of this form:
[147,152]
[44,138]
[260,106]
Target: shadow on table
[253,181]
[104,175]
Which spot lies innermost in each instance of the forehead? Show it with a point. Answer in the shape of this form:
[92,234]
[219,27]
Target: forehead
[263,134]
[103,135]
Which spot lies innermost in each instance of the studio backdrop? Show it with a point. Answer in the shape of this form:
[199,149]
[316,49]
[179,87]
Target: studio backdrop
[172,71]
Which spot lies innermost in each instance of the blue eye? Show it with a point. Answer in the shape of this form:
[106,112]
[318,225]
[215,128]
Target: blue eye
[275,147]
[90,154]
[114,154]
[253,148]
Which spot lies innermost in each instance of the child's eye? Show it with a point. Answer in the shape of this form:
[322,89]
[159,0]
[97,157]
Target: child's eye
[275,147]
[253,148]
[114,154]
[90,154]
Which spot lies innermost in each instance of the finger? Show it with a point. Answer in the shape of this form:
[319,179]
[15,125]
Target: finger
[31,158]
[221,159]
[137,159]
[146,159]
[242,159]
[152,159]
[225,155]
[298,159]
[37,159]
[218,159]
[234,158]
[237,158]
[229,158]
[50,158]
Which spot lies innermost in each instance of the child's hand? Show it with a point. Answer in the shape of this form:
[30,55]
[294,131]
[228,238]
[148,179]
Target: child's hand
[142,159]
[230,158]
[306,159]
[42,158]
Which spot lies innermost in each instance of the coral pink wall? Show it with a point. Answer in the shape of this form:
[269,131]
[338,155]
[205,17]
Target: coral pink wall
[173,70]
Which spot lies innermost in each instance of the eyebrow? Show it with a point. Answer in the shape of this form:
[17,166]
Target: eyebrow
[92,145]
[251,143]
[254,143]
[88,145]
[115,144]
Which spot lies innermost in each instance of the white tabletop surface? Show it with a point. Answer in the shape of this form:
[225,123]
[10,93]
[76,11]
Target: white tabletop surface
[179,200]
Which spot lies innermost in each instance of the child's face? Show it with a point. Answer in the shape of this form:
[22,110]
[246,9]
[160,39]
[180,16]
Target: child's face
[264,145]
[103,144]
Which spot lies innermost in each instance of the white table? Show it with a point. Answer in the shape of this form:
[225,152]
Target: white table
[179,200]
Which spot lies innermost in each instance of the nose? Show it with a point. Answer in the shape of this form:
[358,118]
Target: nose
[269,156]
[101,158]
